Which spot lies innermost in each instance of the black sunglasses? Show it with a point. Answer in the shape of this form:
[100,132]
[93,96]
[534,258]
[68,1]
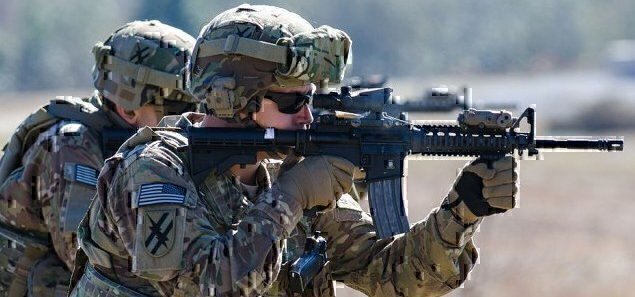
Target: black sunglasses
[290,103]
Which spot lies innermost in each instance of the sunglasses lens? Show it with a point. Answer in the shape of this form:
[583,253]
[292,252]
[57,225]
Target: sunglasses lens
[177,107]
[289,103]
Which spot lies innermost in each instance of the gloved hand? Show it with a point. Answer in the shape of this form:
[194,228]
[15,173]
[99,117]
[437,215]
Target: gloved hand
[317,180]
[482,191]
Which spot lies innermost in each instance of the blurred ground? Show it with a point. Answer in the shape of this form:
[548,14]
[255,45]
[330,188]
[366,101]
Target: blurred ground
[571,236]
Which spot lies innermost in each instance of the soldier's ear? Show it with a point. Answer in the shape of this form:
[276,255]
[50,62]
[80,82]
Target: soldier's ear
[130,116]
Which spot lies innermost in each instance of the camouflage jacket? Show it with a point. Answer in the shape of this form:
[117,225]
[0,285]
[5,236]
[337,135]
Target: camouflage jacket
[153,230]
[50,190]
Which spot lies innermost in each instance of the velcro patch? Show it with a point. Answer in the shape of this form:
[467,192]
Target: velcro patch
[86,175]
[156,193]
[159,232]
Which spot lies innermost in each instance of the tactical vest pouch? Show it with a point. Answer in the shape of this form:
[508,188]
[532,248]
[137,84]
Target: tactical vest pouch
[29,257]
[9,257]
[93,283]
[18,254]
[48,277]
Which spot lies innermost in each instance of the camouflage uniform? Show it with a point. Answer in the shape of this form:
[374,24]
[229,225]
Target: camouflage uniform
[153,231]
[50,166]
[213,240]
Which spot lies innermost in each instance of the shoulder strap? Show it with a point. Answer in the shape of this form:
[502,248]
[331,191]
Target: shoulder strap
[76,109]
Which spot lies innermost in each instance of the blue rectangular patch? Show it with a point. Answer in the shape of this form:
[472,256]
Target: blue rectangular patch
[86,175]
[156,193]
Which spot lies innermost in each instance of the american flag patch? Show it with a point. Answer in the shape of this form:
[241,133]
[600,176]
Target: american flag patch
[85,174]
[156,193]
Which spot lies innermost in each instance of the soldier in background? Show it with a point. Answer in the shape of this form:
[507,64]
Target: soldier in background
[49,168]
[153,231]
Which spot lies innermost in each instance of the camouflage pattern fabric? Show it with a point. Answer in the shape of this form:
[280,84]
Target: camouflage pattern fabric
[49,277]
[161,235]
[315,55]
[320,54]
[46,197]
[142,62]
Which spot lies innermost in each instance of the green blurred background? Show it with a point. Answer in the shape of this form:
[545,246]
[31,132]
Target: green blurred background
[572,235]
[46,44]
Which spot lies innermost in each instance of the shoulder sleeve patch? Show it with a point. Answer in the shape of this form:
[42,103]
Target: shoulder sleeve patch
[159,241]
[160,193]
[81,173]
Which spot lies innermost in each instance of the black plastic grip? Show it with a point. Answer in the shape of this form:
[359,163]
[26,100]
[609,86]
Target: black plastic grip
[470,190]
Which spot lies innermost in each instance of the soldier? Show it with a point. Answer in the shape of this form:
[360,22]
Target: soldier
[49,167]
[153,231]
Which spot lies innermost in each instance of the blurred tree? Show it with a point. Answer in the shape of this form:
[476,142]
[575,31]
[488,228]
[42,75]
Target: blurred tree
[47,44]
[167,11]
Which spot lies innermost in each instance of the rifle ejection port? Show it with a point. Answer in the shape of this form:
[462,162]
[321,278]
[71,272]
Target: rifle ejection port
[270,133]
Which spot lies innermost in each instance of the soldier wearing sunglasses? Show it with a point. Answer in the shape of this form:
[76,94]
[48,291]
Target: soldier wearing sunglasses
[153,231]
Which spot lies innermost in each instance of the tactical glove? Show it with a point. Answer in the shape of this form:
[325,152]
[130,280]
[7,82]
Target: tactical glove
[484,188]
[317,181]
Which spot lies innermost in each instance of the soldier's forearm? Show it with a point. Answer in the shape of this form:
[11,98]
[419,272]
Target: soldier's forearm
[451,229]
[443,245]
[249,258]
[279,210]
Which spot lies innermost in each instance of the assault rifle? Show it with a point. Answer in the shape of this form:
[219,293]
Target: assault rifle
[436,99]
[378,142]
[440,99]
[444,99]
[366,81]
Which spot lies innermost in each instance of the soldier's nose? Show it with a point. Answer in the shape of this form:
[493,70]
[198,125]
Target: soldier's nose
[304,116]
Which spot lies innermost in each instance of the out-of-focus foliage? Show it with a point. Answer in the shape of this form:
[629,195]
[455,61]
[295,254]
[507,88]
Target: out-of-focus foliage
[46,44]
[606,114]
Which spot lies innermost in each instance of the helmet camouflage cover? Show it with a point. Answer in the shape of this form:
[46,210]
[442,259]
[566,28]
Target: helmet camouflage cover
[143,62]
[245,50]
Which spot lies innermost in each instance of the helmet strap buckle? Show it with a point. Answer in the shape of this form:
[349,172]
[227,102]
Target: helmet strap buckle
[101,51]
[142,75]
[231,44]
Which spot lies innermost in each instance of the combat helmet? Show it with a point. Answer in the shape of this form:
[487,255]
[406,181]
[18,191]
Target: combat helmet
[144,62]
[245,50]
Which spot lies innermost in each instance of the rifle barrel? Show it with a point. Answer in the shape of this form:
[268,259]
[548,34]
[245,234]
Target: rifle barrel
[594,144]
